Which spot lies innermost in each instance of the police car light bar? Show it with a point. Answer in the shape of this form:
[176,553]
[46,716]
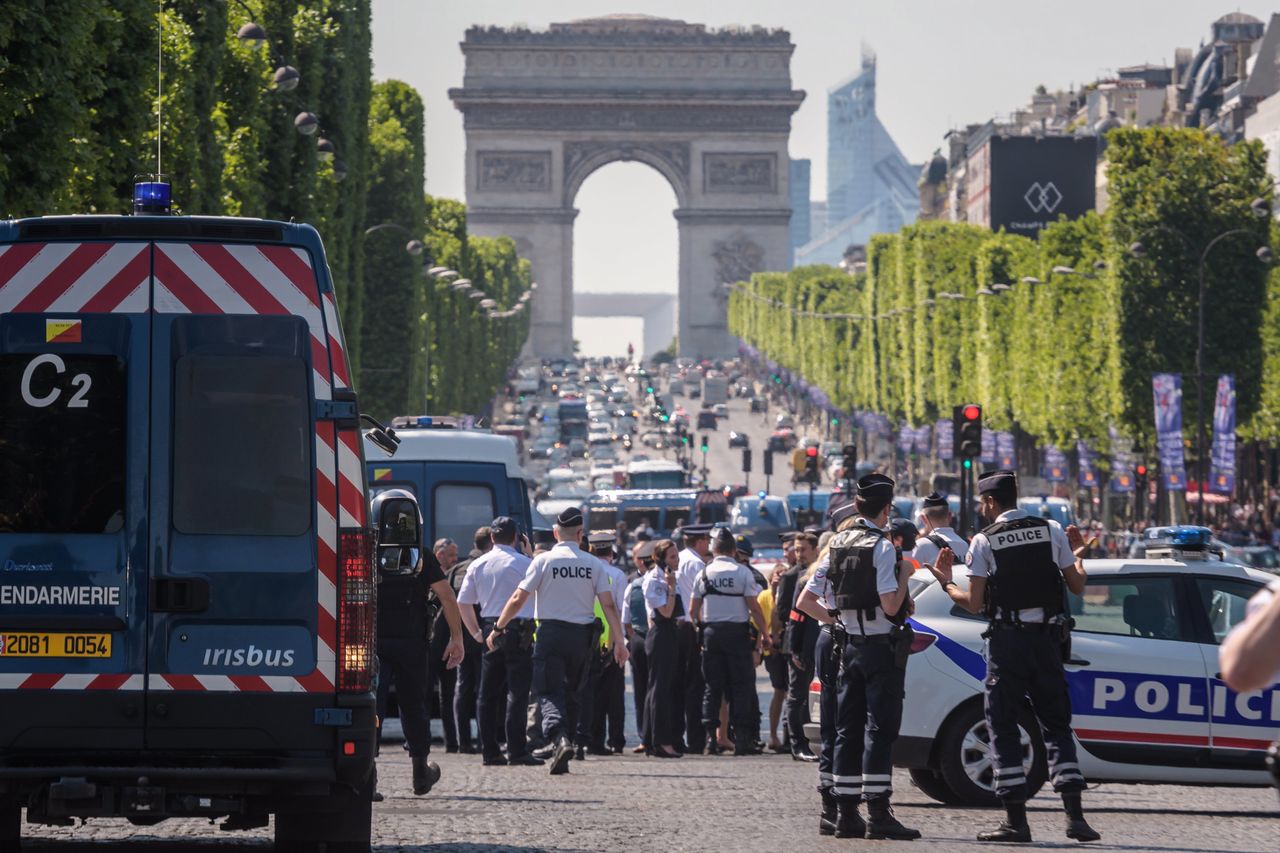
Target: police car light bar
[151,198]
[1184,540]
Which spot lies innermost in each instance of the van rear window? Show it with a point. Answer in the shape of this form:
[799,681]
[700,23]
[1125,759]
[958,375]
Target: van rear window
[62,443]
[242,445]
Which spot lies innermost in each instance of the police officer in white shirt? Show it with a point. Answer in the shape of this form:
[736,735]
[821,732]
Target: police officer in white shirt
[724,602]
[1018,568]
[664,699]
[693,559]
[937,533]
[489,582]
[564,583]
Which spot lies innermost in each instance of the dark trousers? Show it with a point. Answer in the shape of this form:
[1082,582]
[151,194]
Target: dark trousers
[584,721]
[689,687]
[560,655]
[504,673]
[468,690]
[442,684]
[828,677]
[639,676]
[728,671]
[609,706]
[661,708]
[1021,664]
[868,712]
[797,707]
[405,662]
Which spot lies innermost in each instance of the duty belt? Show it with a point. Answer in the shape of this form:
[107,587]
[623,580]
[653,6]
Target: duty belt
[1001,625]
[868,639]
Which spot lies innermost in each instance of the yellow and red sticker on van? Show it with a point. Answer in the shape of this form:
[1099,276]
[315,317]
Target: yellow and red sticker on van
[62,331]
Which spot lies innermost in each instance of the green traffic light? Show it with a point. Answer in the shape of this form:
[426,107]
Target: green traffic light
[968,463]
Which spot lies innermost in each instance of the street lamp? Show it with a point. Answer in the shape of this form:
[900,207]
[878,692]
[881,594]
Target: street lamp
[286,78]
[414,247]
[1031,280]
[1261,209]
[306,123]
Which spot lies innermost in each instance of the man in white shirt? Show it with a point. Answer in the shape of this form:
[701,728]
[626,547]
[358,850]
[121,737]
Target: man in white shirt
[693,559]
[936,513]
[490,581]
[565,582]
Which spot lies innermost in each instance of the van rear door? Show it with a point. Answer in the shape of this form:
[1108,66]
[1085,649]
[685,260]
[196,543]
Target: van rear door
[245,503]
[74,384]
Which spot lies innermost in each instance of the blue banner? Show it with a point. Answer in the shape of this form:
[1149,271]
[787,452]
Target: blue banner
[988,456]
[906,438]
[924,437]
[946,446]
[1087,474]
[1121,463]
[1167,391]
[1006,459]
[1055,465]
[1222,476]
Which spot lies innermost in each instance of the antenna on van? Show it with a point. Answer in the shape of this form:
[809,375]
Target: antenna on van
[159,83]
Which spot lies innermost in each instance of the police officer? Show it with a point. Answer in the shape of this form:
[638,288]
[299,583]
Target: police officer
[937,532]
[903,536]
[441,683]
[693,559]
[467,689]
[608,687]
[723,604]
[636,624]
[868,580]
[801,638]
[1018,566]
[565,583]
[406,575]
[489,583]
[664,705]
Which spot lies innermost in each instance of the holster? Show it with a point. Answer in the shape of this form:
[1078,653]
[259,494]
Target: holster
[1062,626]
[901,638]
[839,639]
[597,631]
[518,636]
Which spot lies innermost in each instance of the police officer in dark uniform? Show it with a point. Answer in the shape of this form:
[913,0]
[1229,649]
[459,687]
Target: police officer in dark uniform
[1018,568]
[664,705]
[868,580]
[724,602]
[406,574]
[466,693]
[564,582]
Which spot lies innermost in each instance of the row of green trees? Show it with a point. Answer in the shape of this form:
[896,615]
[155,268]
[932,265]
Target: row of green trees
[1079,319]
[78,98]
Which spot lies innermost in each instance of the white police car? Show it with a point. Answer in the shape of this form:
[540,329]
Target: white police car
[1148,702]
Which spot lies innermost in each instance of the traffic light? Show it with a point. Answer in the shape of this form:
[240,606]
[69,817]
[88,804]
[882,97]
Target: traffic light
[768,463]
[849,461]
[1141,470]
[705,443]
[966,425]
[811,464]
[746,460]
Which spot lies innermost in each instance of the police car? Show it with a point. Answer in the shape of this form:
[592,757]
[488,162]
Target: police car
[186,578]
[1147,698]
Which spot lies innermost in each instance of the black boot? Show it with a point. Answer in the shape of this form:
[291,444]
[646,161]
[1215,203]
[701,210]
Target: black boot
[712,740]
[425,774]
[1013,829]
[827,822]
[743,745]
[849,823]
[882,824]
[560,758]
[1077,827]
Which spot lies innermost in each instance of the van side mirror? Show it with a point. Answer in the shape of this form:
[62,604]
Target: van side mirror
[383,437]
[398,523]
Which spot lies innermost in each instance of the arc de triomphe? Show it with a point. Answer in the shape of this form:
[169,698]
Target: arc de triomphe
[709,110]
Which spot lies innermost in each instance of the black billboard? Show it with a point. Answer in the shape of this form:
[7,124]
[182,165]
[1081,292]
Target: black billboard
[1035,180]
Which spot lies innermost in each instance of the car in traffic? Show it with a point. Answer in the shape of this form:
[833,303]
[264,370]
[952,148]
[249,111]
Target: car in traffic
[707,420]
[1256,556]
[739,439]
[758,405]
[1149,705]
[761,517]
[721,410]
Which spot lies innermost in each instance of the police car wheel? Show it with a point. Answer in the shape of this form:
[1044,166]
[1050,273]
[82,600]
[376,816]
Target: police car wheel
[966,757]
[932,785]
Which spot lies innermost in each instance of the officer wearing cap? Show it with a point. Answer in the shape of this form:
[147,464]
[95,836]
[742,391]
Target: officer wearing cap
[565,582]
[1018,566]
[938,534]
[693,559]
[489,583]
[868,580]
[723,604]
[602,699]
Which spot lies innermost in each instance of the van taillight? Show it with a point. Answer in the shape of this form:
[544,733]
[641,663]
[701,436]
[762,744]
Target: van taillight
[357,610]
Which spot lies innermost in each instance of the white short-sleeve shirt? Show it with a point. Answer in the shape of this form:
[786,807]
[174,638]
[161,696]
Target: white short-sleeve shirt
[492,578]
[982,562]
[885,559]
[723,587]
[565,582]
[927,551]
[691,565]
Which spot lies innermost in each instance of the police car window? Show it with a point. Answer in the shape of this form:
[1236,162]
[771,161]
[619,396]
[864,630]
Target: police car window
[1224,601]
[1130,607]
[62,443]
[242,445]
[458,509]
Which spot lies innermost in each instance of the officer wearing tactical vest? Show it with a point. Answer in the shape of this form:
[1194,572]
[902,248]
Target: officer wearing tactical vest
[1018,567]
[869,580]
[724,602]
[938,534]
[565,583]
[407,573]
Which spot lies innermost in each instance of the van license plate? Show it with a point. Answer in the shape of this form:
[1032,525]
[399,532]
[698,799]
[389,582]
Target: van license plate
[55,645]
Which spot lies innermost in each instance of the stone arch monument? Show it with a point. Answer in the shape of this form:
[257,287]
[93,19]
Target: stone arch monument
[709,110]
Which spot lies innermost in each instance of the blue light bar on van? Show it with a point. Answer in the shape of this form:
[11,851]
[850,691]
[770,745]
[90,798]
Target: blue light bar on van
[1184,536]
[151,198]
[424,421]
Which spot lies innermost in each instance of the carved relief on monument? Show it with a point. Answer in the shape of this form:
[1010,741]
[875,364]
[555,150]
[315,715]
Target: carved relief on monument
[739,173]
[737,258]
[582,155]
[678,118]
[513,171]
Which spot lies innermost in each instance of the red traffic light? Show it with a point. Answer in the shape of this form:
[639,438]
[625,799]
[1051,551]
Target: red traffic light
[1142,470]
[811,451]
[971,412]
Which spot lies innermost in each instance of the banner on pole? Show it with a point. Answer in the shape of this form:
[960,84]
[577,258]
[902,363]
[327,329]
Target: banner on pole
[1055,465]
[924,437]
[1167,391]
[1222,461]
[1088,476]
[1005,456]
[1122,481]
[946,446]
[988,456]
[906,438]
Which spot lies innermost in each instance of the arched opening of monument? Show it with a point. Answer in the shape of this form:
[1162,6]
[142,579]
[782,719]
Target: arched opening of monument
[625,261]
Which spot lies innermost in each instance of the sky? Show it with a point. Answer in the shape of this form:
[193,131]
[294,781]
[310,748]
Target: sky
[941,64]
